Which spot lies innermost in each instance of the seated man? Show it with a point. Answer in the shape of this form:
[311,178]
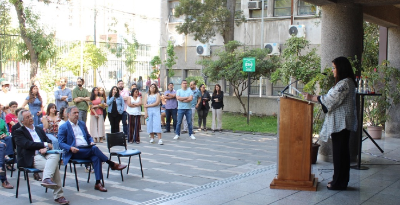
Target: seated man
[3,176]
[32,145]
[75,140]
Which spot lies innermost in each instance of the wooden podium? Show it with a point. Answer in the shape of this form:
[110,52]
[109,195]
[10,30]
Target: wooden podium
[294,152]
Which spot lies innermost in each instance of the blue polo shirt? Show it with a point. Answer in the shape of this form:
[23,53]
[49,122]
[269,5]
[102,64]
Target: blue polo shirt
[196,94]
[184,93]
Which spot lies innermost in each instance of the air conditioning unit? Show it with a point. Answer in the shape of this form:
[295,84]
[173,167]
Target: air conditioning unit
[297,30]
[273,48]
[254,5]
[203,49]
[177,39]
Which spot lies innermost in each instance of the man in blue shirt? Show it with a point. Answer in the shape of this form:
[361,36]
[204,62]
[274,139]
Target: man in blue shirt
[63,95]
[193,103]
[184,97]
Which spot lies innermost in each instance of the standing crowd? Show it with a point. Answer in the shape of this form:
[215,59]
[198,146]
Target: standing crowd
[26,135]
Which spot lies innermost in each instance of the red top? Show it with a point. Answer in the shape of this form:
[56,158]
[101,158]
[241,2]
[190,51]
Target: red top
[99,111]
[11,118]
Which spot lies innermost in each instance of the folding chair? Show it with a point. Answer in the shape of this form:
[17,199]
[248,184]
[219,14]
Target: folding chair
[26,172]
[118,139]
[75,162]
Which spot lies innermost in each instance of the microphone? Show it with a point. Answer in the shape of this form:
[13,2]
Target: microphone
[288,87]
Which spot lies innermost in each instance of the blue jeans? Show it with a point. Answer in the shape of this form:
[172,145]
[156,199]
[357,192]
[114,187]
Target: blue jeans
[125,123]
[9,145]
[2,161]
[169,113]
[188,115]
[54,141]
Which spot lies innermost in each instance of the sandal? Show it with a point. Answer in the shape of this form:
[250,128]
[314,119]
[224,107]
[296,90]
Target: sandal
[37,177]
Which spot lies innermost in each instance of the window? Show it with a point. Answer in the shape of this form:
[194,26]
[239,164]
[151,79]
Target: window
[282,7]
[258,13]
[172,18]
[238,6]
[305,8]
[255,87]
[176,79]
[277,88]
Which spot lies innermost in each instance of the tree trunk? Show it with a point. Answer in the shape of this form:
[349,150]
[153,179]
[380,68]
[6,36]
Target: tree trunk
[239,97]
[19,8]
[230,22]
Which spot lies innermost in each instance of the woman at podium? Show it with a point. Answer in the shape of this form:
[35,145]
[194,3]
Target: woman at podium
[339,104]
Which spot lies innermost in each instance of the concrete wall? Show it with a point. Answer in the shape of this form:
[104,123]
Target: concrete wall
[258,106]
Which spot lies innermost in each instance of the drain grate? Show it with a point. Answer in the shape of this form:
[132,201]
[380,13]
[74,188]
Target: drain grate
[208,186]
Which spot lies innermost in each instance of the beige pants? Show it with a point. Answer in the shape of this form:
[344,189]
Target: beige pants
[49,164]
[97,130]
[216,118]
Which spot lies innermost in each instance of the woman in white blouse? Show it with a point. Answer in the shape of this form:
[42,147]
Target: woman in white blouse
[134,104]
[339,104]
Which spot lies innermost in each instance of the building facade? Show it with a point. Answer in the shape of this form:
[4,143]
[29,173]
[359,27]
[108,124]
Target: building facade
[276,23]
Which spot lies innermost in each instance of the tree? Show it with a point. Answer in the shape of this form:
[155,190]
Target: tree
[297,62]
[370,55]
[93,57]
[229,66]
[129,50]
[7,39]
[37,47]
[206,20]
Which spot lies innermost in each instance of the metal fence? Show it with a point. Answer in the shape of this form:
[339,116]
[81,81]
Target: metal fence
[105,76]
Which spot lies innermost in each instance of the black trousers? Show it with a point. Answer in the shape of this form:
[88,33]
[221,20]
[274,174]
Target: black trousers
[341,159]
[202,118]
[114,122]
[171,113]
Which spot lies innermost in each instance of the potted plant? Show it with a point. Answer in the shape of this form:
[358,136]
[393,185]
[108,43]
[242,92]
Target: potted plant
[384,80]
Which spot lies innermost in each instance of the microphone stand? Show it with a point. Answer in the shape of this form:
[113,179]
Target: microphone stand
[288,86]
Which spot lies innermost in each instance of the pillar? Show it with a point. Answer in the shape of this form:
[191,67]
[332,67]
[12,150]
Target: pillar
[341,35]
[392,126]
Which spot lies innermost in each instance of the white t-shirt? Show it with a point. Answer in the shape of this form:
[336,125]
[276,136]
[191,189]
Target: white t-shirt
[134,110]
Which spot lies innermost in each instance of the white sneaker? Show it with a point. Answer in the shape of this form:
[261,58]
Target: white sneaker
[192,136]
[160,142]
[151,140]
[176,137]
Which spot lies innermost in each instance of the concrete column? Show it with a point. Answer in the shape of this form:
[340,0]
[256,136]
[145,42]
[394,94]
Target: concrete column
[392,126]
[341,35]
[341,32]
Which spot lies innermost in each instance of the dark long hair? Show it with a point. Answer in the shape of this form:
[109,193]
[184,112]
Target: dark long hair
[61,113]
[49,107]
[116,95]
[215,90]
[133,91]
[155,92]
[32,97]
[93,96]
[343,69]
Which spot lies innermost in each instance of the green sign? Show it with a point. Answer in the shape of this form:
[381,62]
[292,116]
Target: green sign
[249,64]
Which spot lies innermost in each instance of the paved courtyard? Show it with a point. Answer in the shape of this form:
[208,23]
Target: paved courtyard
[223,168]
